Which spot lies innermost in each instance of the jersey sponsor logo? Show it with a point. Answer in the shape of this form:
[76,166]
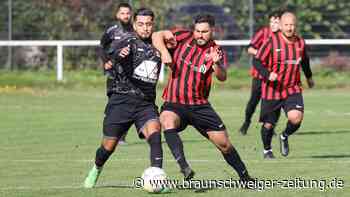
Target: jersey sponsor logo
[202,69]
[279,50]
[147,71]
[295,62]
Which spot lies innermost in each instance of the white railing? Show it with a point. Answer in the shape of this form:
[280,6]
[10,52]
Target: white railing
[62,43]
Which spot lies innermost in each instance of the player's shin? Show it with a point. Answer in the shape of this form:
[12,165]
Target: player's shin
[176,147]
[234,160]
[290,129]
[266,136]
[102,156]
[156,150]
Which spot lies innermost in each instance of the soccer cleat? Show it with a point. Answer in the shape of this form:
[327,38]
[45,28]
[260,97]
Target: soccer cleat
[122,142]
[188,173]
[91,179]
[249,182]
[269,155]
[244,128]
[284,146]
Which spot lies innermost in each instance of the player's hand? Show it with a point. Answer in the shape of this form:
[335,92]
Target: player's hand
[124,51]
[108,65]
[166,57]
[310,82]
[273,76]
[215,54]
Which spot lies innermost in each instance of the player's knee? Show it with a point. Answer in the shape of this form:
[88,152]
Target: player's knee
[225,147]
[168,121]
[109,146]
[151,127]
[295,117]
[268,125]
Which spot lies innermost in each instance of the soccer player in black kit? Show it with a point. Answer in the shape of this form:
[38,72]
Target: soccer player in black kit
[132,94]
[118,31]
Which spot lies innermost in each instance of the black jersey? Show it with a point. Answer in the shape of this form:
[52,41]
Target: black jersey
[137,74]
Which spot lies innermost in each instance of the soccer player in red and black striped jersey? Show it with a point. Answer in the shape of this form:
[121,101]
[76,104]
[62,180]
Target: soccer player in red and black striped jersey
[194,59]
[283,54]
[255,43]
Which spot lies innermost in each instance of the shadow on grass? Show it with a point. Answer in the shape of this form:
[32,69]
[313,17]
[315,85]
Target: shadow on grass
[326,132]
[335,156]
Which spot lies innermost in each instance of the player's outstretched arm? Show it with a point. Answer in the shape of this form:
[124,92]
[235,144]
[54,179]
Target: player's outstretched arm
[159,42]
[219,68]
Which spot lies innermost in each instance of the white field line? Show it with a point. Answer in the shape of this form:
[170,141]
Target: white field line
[190,160]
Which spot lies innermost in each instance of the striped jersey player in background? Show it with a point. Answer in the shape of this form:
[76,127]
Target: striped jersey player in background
[255,43]
[278,61]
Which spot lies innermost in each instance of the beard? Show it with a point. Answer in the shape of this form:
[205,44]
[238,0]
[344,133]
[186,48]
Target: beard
[201,42]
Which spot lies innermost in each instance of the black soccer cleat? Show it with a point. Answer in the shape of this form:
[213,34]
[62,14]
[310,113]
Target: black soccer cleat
[244,128]
[269,155]
[249,183]
[188,173]
[284,146]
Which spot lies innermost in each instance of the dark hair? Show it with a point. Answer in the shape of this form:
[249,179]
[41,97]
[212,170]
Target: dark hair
[143,12]
[276,13]
[123,5]
[205,18]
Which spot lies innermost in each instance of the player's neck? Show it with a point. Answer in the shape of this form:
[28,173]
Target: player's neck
[288,39]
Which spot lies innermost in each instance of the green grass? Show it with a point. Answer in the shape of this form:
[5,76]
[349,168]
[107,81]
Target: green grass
[49,137]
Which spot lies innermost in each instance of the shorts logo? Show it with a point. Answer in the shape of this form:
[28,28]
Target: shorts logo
[299,106]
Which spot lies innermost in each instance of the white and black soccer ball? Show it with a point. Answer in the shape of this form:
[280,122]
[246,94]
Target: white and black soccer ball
[154,180]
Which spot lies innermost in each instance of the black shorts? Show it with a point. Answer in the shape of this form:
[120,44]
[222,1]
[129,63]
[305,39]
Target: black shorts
[202,117]
[123,110]
[271,109]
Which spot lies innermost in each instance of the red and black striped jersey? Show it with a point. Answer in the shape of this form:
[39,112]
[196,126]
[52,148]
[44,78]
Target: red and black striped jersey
[256,42]
[190,78]
[284,58]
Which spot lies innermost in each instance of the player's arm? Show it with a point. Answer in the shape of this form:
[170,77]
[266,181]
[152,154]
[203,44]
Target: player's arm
[159,40]
[255,42]
[102,50]
[219,63]
[262,56]
[252,51]
[305,65]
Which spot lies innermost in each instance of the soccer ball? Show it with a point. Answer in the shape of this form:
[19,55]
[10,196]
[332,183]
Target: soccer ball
[154,180]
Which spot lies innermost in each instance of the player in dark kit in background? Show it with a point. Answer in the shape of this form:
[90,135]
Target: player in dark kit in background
[119,32]
[255,43]
[195,58]
[282,55]
[132,96]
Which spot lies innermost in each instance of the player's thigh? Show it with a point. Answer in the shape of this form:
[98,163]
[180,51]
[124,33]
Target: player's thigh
[147,119]
[205,119]
[172,116]
[270,112]
[115,124]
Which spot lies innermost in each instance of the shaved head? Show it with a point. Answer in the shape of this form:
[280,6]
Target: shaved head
[288,24]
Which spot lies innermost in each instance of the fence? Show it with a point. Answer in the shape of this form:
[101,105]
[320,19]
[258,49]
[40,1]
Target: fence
[60,44]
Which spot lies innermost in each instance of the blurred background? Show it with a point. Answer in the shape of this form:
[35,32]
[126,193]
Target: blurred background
[236,20]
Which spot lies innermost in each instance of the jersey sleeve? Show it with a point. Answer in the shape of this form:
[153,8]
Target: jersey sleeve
[264,51]
[181,34]
[257,39]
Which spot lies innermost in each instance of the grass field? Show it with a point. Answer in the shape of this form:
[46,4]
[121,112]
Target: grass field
[49,137]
